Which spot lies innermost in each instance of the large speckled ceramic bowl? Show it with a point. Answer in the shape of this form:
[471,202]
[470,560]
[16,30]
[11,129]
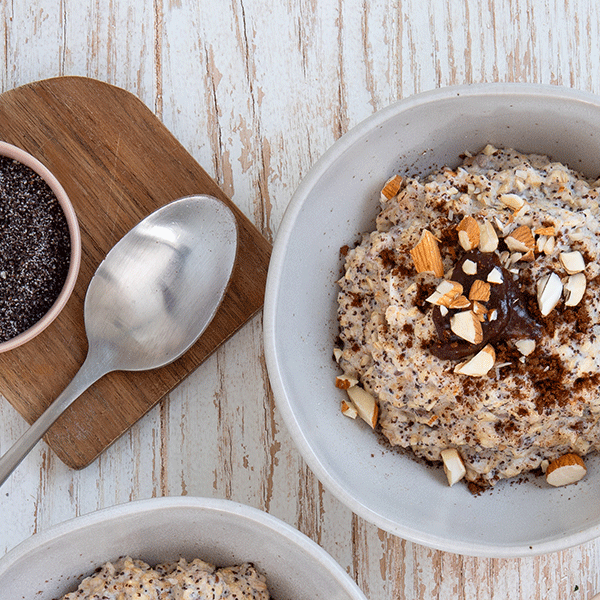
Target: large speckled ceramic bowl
[335,203]
[51,563]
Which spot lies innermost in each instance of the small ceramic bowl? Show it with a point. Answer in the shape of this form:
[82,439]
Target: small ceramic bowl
[10,151]
[336,203]
[224,533]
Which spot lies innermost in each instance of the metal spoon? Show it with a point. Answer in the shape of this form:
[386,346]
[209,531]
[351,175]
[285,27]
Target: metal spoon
[149,301]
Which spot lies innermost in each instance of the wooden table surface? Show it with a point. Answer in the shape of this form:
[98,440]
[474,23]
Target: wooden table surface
[256,91]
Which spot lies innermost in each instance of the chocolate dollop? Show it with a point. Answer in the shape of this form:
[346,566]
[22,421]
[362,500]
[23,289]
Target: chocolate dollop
[513,321]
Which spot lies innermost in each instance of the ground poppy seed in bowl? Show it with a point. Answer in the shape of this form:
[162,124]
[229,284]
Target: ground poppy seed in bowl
[35,248]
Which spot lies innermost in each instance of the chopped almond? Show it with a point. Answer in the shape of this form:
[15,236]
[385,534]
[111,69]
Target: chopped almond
[392,187]
[454,467]
[469,267]
[525,346]
[572,262]
[366,405]
[520,240]
[480,310]
[528,256]
[549,290]
[460,302]
[549,246]
[549,231]
[467,326]
[426,255]
[343,382]
[565,470]
[468,233]
[445,293]
[575,289]
[512,201]
[478,365]
[480,291]
[495,276]
[348,409]
[488,238]
[513,258]
[541,242]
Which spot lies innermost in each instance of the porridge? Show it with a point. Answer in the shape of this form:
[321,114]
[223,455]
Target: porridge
[469,318]
[197,580]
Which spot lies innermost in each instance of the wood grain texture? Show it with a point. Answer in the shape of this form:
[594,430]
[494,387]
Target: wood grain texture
[256,91]
[117,163]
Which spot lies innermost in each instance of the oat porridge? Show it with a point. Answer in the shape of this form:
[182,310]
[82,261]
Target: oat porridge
[132,579]
[469,318]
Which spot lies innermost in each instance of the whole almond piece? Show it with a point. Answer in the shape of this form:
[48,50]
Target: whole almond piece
[468,233]
[426,255]
[565,470]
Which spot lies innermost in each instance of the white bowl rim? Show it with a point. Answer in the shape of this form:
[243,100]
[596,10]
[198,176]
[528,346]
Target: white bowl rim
[276,266]
[165,503]
[24,157]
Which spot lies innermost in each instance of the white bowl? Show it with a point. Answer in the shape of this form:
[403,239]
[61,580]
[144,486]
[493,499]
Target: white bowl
[334,204]
[51,563]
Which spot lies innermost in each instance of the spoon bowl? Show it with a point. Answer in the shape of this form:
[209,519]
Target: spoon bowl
[149,301]
[160,286]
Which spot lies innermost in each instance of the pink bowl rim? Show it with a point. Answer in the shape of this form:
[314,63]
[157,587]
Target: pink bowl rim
[30,161]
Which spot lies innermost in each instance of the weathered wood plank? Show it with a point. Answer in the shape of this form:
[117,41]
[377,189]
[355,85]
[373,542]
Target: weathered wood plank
[256,91]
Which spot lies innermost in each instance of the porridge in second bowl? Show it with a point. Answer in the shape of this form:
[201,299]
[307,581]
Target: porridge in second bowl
[133,579]
[469,318]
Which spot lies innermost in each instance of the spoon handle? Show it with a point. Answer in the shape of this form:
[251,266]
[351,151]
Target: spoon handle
[89,372]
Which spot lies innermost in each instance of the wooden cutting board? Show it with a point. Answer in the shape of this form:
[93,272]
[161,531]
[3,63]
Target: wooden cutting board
[118,163]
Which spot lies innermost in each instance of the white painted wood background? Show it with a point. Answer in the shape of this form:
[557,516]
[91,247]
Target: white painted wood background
[257,90]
